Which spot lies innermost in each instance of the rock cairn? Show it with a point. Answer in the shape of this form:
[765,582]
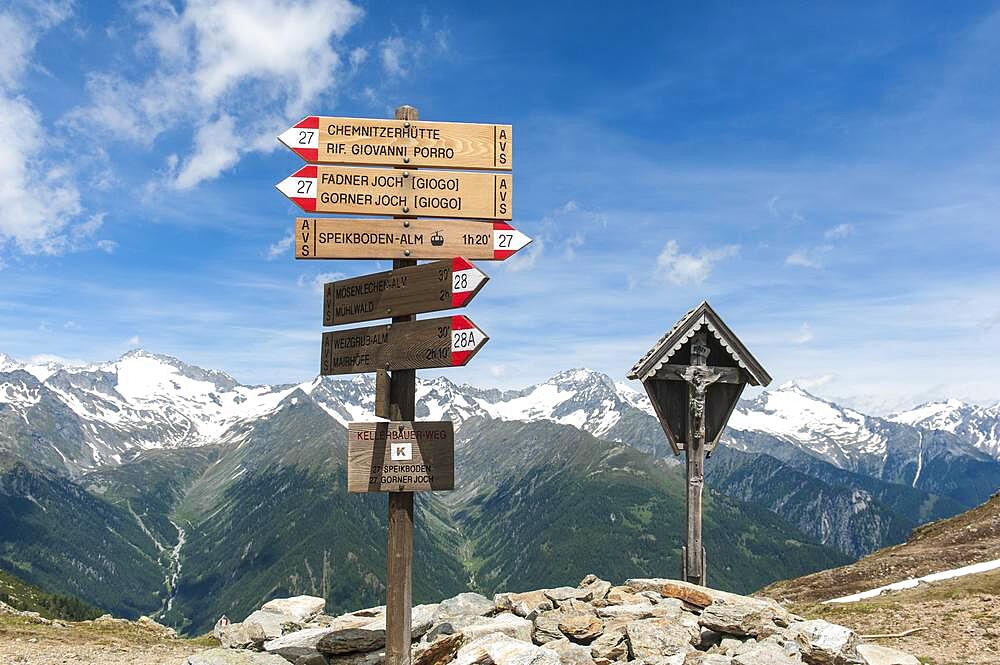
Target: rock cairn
[643,622]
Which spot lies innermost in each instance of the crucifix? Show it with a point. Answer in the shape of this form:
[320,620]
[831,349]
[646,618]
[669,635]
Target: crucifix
[693,402]
[699,376]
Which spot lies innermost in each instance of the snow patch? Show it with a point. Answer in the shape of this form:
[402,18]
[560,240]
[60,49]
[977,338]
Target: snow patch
[984,567]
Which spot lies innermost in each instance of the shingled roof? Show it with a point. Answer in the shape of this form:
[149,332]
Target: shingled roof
[701,316]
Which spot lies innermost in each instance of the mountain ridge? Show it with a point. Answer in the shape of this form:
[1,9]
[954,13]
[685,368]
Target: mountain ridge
[185,405]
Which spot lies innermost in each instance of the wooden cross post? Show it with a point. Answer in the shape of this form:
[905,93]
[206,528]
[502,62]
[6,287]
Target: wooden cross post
[698,377]
[691,412]
[396,400]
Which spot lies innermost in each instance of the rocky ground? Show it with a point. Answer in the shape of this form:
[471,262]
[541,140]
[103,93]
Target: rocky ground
[643,622]
[28,639]
[958,620]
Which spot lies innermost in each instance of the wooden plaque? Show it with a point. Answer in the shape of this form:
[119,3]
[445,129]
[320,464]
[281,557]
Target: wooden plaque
[400,456]
[339,238]
[367,141]
[430,287]
[449,341]
[369,191]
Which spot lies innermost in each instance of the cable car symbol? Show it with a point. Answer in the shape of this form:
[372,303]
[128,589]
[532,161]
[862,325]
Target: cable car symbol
[437,239]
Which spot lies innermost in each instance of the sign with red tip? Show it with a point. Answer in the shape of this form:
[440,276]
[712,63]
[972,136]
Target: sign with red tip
[429,287]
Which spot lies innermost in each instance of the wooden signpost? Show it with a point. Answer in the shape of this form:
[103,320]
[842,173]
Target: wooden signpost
[427,288]
[693,401]
[339,238]
[368,141]
[449,341]
[370,191]
[400,456]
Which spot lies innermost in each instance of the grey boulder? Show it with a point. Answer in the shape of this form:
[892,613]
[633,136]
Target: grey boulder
[824,643]
[657,637]
[499,649]
[299,608]
[225,656]
[465,604]
[873,654]
[766,653]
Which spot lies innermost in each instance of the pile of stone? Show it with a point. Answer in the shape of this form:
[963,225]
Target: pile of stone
[643,622]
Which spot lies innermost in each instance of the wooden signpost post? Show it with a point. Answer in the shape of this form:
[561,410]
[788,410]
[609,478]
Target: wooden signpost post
[693,401]
[340,238]
[370,191]
[360,141]
[428,288]
[398,455]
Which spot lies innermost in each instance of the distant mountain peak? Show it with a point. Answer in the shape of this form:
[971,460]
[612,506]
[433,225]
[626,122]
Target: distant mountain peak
[978,424]
[580,375]
[193,372]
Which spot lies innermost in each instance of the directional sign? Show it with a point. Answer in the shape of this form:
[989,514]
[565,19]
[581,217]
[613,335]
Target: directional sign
[373,142]
[445,342]
[363,191]
[400,456]
[337,238]
[425,288]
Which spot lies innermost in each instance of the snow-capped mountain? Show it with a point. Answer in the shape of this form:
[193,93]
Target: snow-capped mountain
[585,399]
[838,435]
[979,425]
[110,411]
[85,417]
[144,400]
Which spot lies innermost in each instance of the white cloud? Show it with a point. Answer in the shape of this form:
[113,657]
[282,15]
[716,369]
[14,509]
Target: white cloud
[813,257]
[679,268]
[572,243]
[839,231]
[221,69]
[133,341]
[35,206]
[804,335]
[804,258]
[393,52]
[358,57]
[280,247]
[216,148]
[316,282]
[20,28]
[39,198]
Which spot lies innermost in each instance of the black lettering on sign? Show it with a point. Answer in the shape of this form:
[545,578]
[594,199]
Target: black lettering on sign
[503,196]
[503,138]
[305,237]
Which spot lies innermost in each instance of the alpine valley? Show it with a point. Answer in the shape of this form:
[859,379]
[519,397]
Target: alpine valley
[149,486]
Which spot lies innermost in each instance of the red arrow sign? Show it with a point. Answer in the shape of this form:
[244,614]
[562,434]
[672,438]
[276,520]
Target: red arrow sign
[373,142]
[339,238]
[427,343]
[430,287]
[303,138]
[372,191]
[466,339]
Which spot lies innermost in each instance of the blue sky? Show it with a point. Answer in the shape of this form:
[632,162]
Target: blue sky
[827,175]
